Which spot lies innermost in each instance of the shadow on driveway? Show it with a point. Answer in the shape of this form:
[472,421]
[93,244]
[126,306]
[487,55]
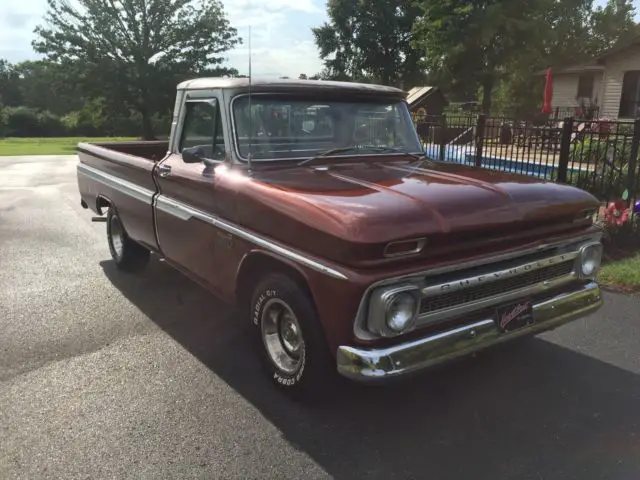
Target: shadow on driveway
[536,411]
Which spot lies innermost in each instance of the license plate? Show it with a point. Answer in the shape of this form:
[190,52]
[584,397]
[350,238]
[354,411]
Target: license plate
[514,315]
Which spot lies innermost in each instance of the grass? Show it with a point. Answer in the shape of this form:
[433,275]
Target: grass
[49,146]
[623,274]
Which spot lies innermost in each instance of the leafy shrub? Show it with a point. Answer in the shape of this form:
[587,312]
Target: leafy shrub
[29,122]
[22,122]
[3,122]
[621,227]
[603,165]
[51,125]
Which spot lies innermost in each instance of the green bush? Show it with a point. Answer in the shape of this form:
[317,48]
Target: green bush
[607,159]
[3,122]
[22,122]
[51,125]
[94,119]
[28,122]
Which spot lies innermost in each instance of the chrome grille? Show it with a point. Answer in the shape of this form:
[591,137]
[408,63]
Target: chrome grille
[480,292]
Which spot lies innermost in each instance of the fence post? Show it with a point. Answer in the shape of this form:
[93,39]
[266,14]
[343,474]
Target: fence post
[631,170]
[565,149]
[443,138]
[482,120]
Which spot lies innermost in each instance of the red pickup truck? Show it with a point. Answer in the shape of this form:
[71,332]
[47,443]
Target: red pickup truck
[311,206]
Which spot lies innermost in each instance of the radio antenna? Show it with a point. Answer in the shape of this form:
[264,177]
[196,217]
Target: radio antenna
[250,112]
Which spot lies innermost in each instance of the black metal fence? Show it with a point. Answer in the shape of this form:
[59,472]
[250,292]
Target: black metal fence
[599,156]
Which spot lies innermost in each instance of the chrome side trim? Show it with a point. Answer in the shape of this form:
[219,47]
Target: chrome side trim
[123,186]
[185,212]
[375,365]
[516,270]
[177,209]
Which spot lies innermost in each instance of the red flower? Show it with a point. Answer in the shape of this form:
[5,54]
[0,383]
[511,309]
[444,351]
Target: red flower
[617,213]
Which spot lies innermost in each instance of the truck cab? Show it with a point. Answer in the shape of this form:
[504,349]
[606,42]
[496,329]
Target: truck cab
[311,207]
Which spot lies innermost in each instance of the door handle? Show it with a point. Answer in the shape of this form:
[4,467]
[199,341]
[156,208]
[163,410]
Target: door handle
[164,170]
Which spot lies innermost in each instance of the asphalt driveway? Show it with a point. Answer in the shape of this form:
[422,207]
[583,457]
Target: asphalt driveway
[106,375]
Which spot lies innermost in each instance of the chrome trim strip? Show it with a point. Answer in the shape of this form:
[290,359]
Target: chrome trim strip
[494,276]
[186,212]
[178,210]
[122,186]
[375,365]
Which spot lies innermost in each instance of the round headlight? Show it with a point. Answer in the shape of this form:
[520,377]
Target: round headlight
[590,258]
[401,311]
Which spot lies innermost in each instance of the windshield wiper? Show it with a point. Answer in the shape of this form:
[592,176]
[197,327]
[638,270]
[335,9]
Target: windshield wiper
[374,148]
[326,153]
[394,150]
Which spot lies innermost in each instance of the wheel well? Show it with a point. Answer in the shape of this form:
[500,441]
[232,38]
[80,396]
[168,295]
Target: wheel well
[254,268]
[102,202]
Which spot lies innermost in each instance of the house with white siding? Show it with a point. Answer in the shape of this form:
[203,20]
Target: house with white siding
[610,83]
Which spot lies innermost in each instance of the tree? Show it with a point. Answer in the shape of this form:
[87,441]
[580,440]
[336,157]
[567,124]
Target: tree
[472,43]
[369,40]
[573,32]
[133,51]
[49,86]
[561,39]
[612,24]
[9,84]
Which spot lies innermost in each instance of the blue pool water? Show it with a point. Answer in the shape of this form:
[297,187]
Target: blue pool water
[465,154]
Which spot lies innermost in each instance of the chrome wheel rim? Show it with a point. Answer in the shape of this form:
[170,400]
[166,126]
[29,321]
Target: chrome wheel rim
[282,336]
[117,236]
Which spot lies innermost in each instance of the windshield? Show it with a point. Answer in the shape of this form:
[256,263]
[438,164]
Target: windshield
[296,128]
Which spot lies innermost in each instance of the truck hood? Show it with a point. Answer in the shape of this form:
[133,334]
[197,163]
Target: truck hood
[380,202]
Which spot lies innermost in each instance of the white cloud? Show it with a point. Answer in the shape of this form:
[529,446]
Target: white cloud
[273,5]
[281,39]
[18,18]
[299,57]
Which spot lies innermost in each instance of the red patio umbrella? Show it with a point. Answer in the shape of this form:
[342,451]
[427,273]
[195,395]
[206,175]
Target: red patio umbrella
[548,92]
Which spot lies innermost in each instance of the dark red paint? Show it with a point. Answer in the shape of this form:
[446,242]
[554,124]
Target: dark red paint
[342,217]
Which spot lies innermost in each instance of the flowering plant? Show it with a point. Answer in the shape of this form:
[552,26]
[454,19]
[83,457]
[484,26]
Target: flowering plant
[621,227]
[616,214]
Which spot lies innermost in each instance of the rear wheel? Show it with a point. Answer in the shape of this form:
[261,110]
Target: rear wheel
[292,341]
[128,255]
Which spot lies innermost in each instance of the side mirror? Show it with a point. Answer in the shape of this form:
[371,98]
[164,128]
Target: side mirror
[192,155]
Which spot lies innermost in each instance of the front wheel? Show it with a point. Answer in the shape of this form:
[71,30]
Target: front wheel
[128,255]
[292,340]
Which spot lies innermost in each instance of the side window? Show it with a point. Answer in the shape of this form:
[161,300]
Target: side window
[203,129]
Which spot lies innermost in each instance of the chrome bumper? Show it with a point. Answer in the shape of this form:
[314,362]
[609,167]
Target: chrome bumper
[373,365]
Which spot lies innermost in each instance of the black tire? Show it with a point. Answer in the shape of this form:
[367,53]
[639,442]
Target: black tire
[128,255]
[316,372]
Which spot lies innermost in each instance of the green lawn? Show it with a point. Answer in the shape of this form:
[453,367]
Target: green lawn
[49,146]
[624,273]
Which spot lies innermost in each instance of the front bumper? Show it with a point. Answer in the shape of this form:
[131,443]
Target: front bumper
[374,365]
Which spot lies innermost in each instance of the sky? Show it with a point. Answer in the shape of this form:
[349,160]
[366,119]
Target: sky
[281,38]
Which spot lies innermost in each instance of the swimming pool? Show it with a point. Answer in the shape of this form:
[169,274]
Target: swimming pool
[466,155]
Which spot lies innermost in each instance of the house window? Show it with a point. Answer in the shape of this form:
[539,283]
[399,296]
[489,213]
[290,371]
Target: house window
[585,86]
[630,100]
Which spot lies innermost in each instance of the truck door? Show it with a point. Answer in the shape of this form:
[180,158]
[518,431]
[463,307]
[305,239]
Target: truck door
[187,193]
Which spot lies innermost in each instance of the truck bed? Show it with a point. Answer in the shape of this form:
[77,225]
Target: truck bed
[151,150]
[120,174]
